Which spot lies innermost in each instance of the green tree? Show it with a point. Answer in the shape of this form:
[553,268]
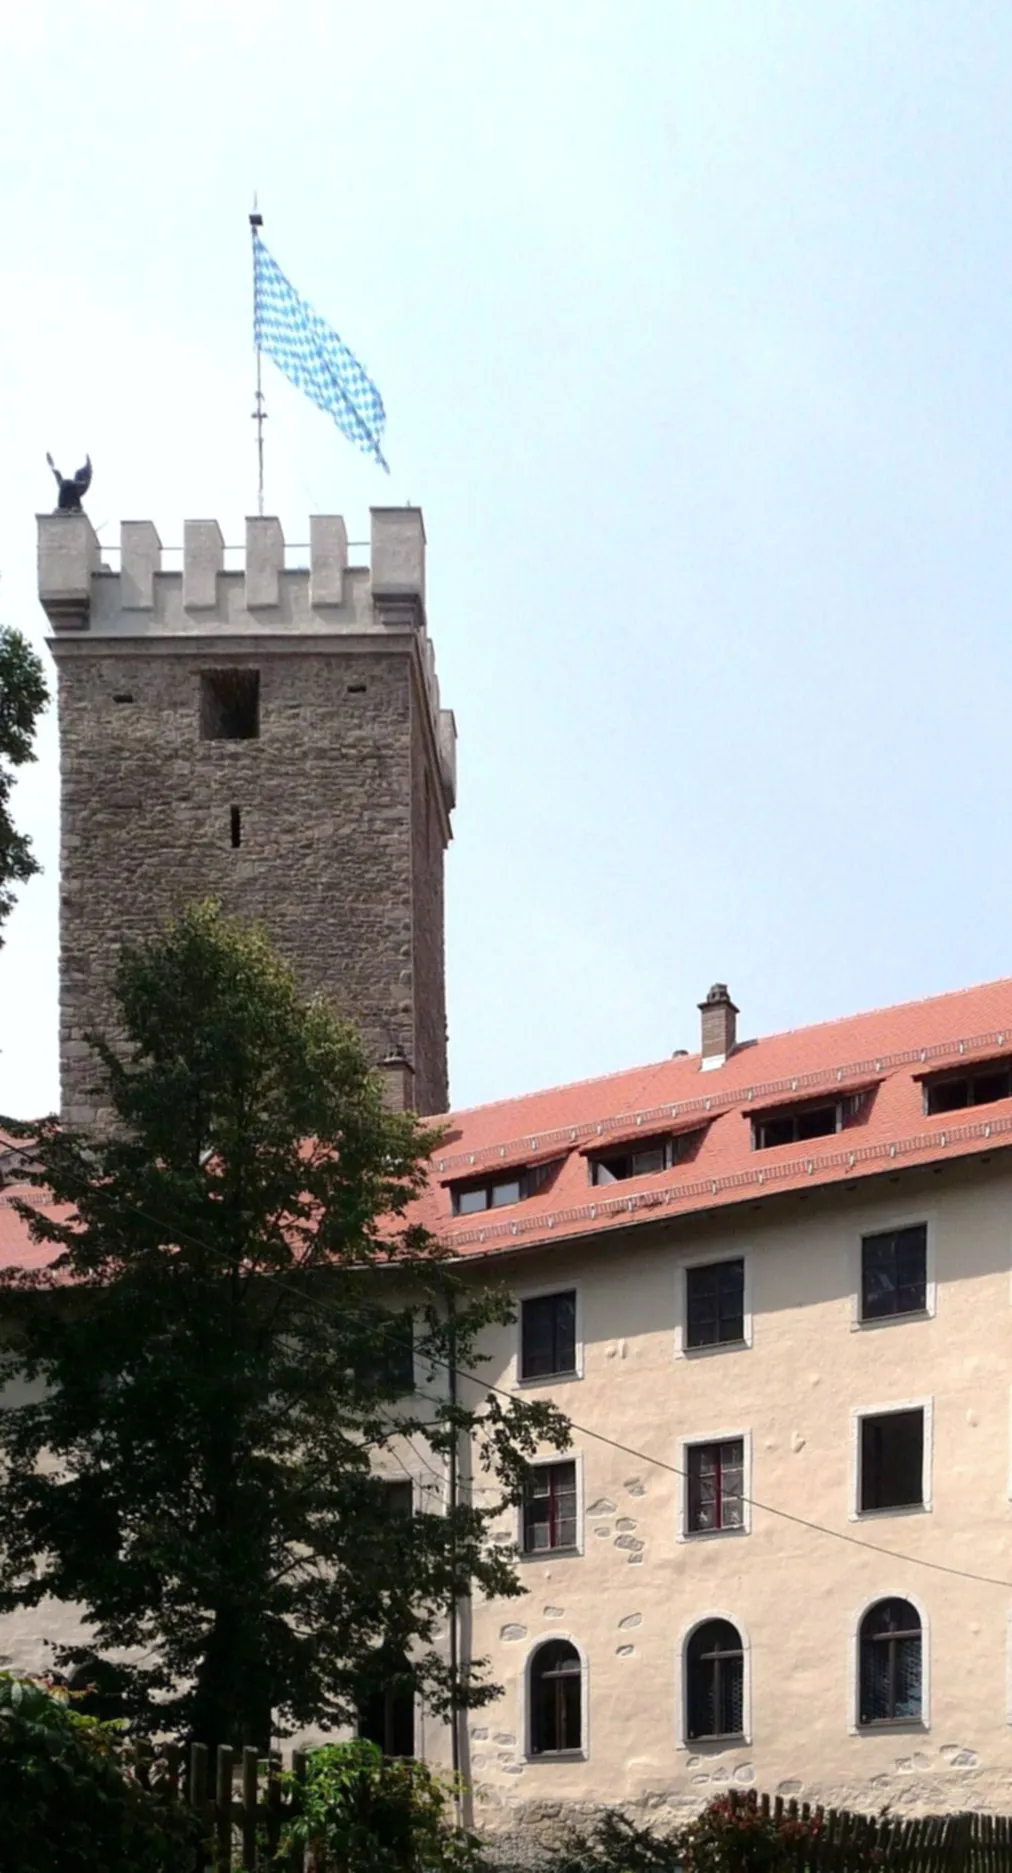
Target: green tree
[23,696]
[213,1359]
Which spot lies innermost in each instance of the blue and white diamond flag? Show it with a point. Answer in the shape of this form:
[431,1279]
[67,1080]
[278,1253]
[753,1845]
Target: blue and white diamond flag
[313,357]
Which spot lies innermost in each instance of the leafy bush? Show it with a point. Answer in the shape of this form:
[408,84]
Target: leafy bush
[735,1836]
[359,1812]
[68,1804]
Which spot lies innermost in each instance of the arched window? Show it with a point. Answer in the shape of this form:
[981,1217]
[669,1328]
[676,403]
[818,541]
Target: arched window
[556,1699]
[890,1663]
[715,1681]
[386,1709]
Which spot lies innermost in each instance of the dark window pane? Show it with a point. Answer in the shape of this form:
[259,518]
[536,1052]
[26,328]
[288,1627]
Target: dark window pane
[468,1201]
[715,1303]
[644,1162]
[548,1336]
[550,1508]
[506,1192]
[555,1686]
[894,1273]
[386,1363]
[892,1458]
[386,1712]
[715,1681]
[608,1171]
[398,1497]
[890,1663]
[816,1124]
[948,1096]
[987,1087]
[775,1132]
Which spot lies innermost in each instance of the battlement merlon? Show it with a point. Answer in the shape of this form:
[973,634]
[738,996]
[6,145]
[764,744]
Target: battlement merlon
[201,598]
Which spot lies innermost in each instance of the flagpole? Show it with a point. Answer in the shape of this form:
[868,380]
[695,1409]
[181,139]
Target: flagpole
[257,221]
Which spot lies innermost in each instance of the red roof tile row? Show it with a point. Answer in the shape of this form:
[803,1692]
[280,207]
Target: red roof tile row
[884,1055]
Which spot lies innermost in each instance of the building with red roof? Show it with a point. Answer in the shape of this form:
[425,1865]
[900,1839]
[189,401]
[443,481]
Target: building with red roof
[770,1283]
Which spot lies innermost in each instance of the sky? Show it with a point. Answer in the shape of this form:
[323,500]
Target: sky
[692,324]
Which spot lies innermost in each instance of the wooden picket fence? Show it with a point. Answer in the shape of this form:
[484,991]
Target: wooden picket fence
[836,1841]
[242,1807]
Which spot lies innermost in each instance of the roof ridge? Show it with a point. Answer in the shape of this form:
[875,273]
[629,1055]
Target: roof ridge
[760,1040]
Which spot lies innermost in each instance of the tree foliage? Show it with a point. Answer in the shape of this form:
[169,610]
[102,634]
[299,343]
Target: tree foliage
[357,1812]
[68,1801]
[23,696]
[211,1371]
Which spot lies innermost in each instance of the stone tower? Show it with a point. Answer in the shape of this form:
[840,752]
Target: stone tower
[269,737]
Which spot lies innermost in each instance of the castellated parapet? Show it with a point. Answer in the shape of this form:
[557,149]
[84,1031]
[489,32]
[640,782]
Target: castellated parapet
[267,736]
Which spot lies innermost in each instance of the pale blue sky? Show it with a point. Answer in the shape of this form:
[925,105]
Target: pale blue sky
[692,320]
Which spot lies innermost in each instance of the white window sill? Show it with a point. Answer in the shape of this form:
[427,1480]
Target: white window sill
[891,1320]
[544,1380]
[558,1755]
[713,1534]
[892,1726]
[900,1508]
[549,1554]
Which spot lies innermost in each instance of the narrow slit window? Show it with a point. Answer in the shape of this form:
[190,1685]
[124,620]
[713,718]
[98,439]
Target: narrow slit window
[235,825]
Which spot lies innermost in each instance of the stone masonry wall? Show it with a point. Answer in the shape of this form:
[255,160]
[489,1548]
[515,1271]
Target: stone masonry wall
[325,859]
[431,1088]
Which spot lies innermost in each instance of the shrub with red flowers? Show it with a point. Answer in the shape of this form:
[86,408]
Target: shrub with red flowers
[733,1834]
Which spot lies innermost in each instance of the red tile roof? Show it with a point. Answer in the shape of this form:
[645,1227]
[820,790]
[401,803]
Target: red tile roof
[884,1056]
[877,1054]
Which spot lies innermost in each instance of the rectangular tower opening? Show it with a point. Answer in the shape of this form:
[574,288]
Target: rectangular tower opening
[235,825]
[229,705]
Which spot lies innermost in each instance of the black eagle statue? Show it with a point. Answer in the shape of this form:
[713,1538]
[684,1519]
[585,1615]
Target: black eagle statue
[69,501]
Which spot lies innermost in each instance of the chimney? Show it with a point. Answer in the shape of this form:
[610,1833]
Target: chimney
[718,1026]
[398,1076]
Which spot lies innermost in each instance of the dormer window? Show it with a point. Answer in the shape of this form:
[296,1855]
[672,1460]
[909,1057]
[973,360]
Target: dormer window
[983,1085]
[496,1189]
[791,1125]
[641,1157]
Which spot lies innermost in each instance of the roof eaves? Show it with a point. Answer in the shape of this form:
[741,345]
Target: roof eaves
[755,1181]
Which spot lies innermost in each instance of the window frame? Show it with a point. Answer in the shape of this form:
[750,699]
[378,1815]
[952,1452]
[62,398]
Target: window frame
[678,1147]
[899,1725]
[527,1703]
[538,1554]
[544,1381]
[894,1221]
[925,1506]
[981,1069]
[722,1347]
[686,1534]
[796,1109]
[530,1179]
[699,1745]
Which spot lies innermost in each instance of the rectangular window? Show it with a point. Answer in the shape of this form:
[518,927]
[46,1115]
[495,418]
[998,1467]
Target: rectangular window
[642,1159]
[548,1336]
[386,1362]
[550,1508]
[715,1304]
[894,1273]
[980,1088]
[398,1497]
[715,1485]
[229,705]
[493,1193]
[793,1124]
[892,1460]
